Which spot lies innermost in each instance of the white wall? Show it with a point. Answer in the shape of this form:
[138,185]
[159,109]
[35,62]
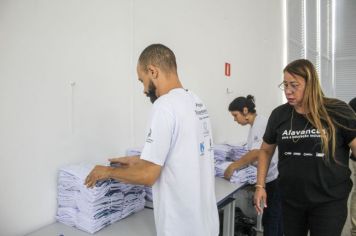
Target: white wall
[46,121]
[206,34]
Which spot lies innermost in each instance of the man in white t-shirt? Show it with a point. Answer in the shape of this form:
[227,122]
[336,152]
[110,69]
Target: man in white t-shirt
[177,158]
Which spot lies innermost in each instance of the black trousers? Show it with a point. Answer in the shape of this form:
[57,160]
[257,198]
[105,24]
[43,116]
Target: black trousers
[272,215]
[325,219]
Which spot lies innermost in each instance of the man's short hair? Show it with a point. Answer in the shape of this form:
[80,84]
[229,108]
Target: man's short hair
[160,56]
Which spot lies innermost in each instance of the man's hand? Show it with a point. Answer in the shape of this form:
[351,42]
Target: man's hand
[124,161]
[97,174]
[229,171]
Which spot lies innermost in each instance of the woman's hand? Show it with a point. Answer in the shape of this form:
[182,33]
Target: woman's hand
[229,171]
[260,199]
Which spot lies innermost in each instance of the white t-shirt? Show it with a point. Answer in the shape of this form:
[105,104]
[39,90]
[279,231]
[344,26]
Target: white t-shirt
[254,141]
[179,139]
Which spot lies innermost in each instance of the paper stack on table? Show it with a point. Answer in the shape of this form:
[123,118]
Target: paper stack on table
[246,175]
[93,209]
[227,152]
[222,152]
[237,152]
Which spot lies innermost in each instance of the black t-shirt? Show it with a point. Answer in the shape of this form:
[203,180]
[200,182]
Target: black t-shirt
[305,177]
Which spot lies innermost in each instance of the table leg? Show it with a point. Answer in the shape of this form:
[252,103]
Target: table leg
[229,219]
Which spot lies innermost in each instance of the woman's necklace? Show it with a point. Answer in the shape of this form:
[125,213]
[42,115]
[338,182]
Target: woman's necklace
[291,128]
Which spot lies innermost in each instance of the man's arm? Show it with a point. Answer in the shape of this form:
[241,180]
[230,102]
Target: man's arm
[245,160]
[140,172]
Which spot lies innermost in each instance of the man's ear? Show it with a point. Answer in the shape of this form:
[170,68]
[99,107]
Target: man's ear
[245,111]
[153,71]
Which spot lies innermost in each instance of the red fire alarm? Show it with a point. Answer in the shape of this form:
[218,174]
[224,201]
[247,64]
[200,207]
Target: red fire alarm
[227,69]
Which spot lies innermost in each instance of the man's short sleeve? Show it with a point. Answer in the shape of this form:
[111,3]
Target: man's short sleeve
[159,135]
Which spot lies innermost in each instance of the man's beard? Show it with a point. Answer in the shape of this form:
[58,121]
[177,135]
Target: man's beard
[151,93]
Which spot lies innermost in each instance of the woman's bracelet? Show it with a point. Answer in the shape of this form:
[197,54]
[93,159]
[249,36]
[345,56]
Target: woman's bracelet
[259,186]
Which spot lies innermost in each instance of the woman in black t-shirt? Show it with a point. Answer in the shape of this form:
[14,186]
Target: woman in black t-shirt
[314,135]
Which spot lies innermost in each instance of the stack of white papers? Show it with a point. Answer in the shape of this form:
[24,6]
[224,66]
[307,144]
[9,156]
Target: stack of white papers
[222,152]
[237,152]
[93,209]
[227,152]
[246,175]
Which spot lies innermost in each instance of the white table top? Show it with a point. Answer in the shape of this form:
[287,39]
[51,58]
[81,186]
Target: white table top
[138,224]
[225,189]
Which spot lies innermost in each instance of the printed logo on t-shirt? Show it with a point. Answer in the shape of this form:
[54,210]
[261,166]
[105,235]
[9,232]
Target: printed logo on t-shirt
[304,154]
[149,139]
[318,154]
[200,111]
[300,134]
[305,140]
[202,148]
[206,130]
